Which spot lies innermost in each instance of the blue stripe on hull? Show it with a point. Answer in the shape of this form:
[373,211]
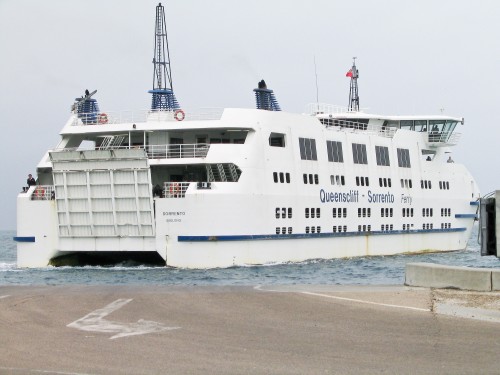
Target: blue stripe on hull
[251,237]
[24,239]
[465,216]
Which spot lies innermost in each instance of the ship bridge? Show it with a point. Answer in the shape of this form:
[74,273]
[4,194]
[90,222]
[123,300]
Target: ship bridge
[438,130]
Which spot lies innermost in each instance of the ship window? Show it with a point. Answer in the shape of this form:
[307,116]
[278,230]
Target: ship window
[316,179]
[289,230]
[359,153]
[308,149]
[275,176]
[277,140]
[277,212]
[287,177]
[407,124]
[310,178]
[421,125]
[409,183]
[312,212]
[357,180]
[282,177]
[382,154]
[283,213]
[318,213]
[404,158]
[334,150]
[289,212]
[343,180]
[307,229]
[305,178]
[307,213]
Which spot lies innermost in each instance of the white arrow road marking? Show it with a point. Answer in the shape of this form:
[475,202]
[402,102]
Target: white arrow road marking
[95,322]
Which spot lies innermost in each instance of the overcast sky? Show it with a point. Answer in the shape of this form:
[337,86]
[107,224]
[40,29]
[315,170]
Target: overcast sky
[414,57]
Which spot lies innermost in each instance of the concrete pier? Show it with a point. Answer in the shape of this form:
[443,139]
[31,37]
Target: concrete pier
[432,275]
[246,330]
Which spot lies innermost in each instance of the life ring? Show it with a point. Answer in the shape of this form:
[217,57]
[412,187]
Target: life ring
[179,115]
[103,118]
[39,192]
[174,188]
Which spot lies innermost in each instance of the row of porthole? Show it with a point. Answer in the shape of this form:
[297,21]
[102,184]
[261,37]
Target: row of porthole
[313,213]
[282,177]
[283,230]
[364,228]
[310,178]
[361,228]
[313,229]
[445,211]
[338,212]
[427,212]
[385,182]
[364,212]
[444,185]
[407,212]
[282,212]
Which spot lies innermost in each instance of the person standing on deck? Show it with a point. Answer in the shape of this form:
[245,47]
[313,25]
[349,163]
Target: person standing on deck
[30,181]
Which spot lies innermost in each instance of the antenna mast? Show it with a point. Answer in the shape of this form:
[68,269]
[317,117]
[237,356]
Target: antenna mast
[353,91]
[163,94]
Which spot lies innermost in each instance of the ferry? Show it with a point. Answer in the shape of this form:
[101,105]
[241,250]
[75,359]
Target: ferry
[221,188]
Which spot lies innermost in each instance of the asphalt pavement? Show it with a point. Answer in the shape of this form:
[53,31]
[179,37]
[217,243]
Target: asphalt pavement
[247,330]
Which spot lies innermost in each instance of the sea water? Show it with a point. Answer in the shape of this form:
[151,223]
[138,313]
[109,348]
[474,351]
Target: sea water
[374,270]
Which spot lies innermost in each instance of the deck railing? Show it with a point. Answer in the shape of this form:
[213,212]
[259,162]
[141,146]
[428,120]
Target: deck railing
[354,127]
[199,150]
[126,117]
[175,189]
[43,193]
[170,151]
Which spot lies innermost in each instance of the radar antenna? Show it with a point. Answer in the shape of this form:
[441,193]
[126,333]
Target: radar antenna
[353,91]
[163,94]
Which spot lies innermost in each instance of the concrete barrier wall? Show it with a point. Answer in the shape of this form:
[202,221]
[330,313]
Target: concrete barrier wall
[495,279]
[432,275]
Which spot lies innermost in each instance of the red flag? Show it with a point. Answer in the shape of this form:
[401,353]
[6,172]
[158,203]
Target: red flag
[349,73]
